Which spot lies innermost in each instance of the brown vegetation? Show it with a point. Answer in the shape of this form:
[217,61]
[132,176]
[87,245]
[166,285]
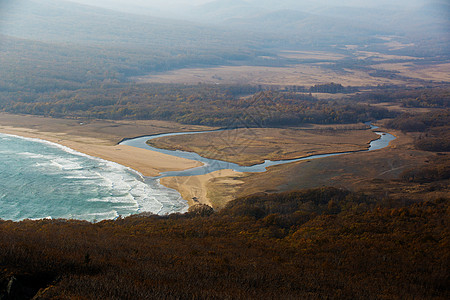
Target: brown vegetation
[210,105]
[373,172]
[431,129]
[388,239]
[315,67]
[249,146]
[322,243]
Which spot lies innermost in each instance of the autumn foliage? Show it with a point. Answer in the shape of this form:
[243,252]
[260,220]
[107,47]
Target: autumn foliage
[309,244]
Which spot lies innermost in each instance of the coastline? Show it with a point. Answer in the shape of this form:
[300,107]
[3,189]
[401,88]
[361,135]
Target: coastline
[148,163]
[99,138]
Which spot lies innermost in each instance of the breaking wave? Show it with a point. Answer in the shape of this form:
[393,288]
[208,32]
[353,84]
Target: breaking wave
[41,179]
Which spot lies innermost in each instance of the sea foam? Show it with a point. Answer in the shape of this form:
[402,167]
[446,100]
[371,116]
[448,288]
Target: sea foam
[41,179]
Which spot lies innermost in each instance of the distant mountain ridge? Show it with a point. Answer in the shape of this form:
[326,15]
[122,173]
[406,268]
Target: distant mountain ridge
[95,43]
[66,21]
[241,21]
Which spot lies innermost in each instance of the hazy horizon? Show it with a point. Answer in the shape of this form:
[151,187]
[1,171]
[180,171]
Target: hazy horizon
[183,8]
[271,3]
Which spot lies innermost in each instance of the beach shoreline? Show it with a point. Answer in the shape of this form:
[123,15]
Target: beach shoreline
[100,144]
[100,138]
[148,163]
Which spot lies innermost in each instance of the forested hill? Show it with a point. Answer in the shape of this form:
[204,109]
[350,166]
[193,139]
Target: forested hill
[324,243]
[213,105]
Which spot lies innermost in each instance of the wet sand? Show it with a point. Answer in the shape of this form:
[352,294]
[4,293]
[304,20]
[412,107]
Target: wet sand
[99,138]
[214,189]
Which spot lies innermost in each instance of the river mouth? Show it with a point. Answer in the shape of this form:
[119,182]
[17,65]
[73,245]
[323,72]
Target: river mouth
[212,165]
[47,180]
[42,179]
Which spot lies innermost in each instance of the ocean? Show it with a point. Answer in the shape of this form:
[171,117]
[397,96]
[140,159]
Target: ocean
[40,179]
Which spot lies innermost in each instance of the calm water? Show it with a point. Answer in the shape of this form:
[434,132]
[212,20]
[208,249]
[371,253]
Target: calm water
[39,179]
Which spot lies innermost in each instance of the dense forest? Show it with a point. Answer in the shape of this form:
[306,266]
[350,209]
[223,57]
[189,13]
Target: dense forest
[427,97]
[214,105]
[309,244]
[431,129]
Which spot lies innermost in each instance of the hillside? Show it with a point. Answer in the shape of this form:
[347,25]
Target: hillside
[307,75]
[322,243]
[72,46]
[63,21]
[78,43]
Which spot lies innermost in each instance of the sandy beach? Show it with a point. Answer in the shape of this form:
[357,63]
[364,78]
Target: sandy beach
[214,189]
[99,138]
[148,163]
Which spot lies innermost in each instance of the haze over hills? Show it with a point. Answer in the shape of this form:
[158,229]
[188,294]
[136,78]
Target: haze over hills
[62,20]
[222,11]
[108,42]
[77,43]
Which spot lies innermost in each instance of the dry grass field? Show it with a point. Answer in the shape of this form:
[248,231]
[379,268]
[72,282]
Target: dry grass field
[319,68]
[249,146]
[374,171]
[319,55]
[435,72]
[376,56]
[302,74]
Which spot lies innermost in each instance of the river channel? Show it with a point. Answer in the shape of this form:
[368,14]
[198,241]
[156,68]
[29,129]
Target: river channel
[211,165]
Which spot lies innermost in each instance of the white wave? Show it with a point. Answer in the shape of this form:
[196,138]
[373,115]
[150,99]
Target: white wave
[98,215]
[125,200]
[110,164]
[67,164]
[111,182]
[44,218]
[34,155]
[130,208]
[84,177]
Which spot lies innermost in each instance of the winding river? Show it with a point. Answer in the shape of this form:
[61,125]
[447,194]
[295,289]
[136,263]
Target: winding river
[211,165]
[41,179]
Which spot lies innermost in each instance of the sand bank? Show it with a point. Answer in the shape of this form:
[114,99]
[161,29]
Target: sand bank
[99,138]
[214,189]
[148,163]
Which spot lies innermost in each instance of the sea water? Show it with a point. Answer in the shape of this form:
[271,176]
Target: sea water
[40,179]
